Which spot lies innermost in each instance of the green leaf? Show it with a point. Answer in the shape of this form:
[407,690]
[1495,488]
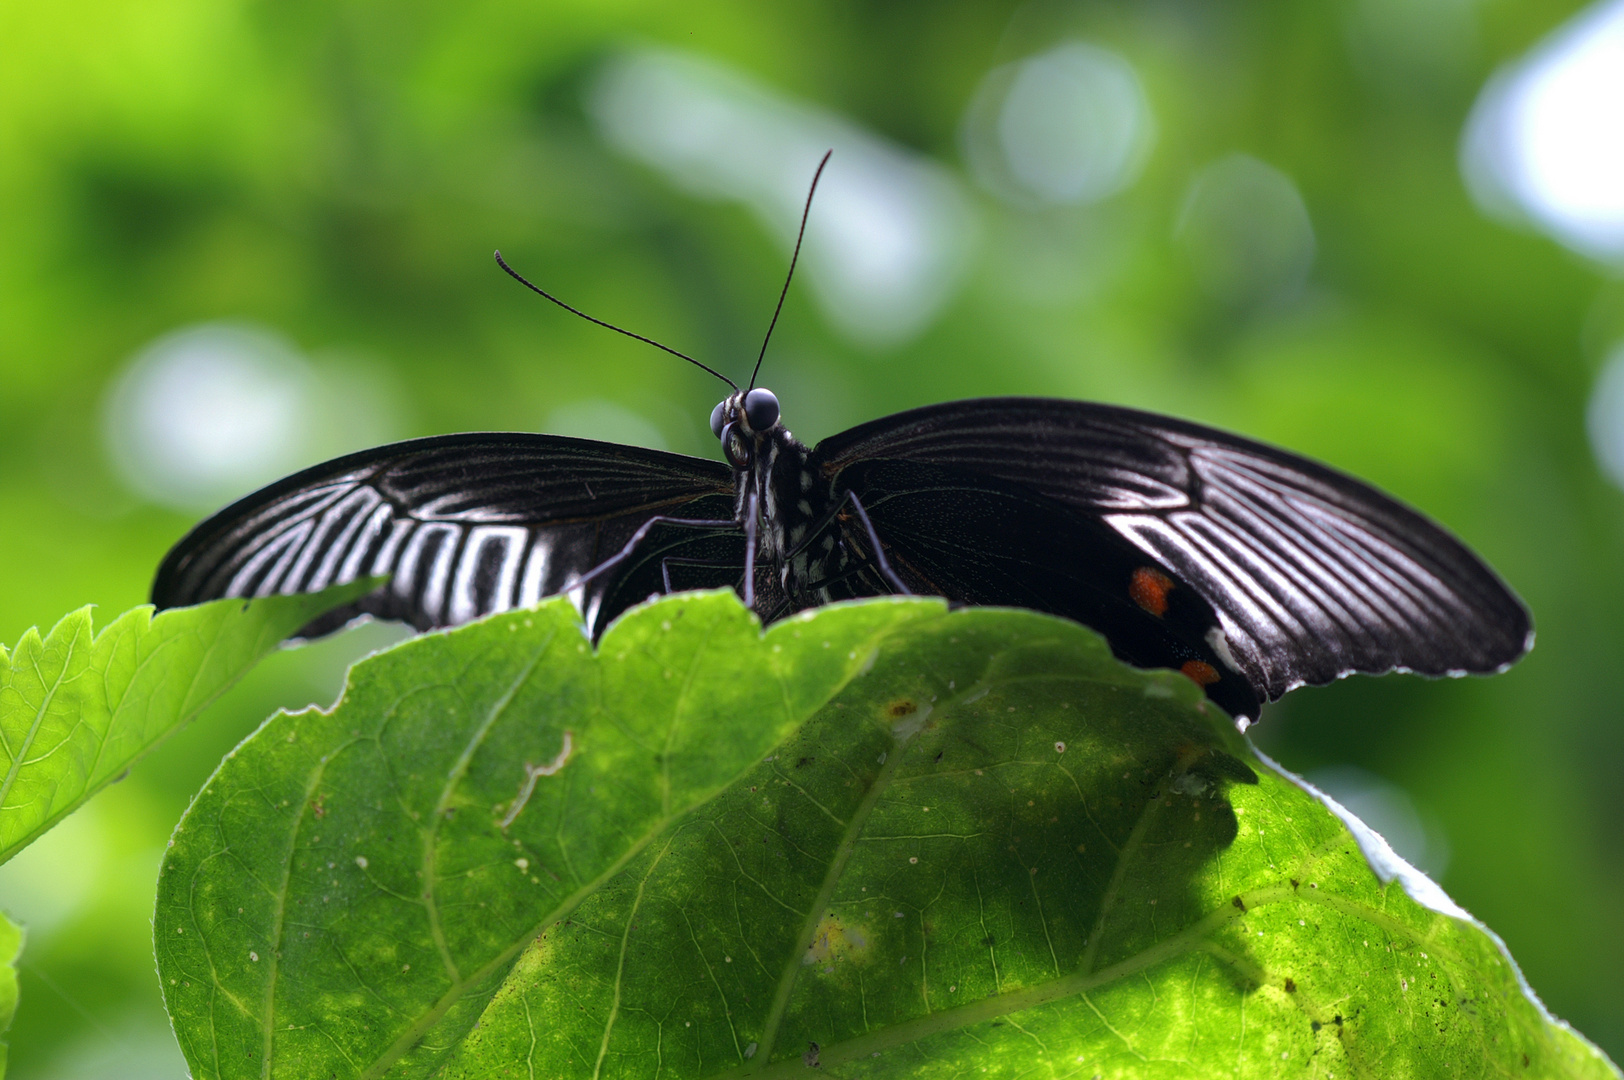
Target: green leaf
[350,888]
[884,839]
[11,947]
[77,709]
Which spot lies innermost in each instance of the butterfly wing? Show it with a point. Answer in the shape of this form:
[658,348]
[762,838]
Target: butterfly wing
[465,525]
[979,540]
[1312,574]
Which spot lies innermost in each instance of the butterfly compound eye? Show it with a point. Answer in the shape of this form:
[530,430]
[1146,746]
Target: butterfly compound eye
[718,417]
[761,408]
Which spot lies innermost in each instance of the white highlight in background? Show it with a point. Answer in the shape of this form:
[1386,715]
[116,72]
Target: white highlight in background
[1545,141]
[1070,125]
[890,233]
[1605,418]
[1246,231]
[208,412]
[604,421]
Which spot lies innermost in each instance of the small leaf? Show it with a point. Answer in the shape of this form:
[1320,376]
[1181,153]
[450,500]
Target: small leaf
[77,709]
[349,888]
[991,850]
[11,947]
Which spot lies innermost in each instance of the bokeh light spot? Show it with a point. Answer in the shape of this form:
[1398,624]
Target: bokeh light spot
[1246,231]
[605,421]
[1545,141]
[1069,125]
[887,244]
[1605,418]
[208,412]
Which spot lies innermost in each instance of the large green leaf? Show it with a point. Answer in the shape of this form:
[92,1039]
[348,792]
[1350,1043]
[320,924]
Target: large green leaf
[78,708]
[885,840]
[11,947]
[350,888]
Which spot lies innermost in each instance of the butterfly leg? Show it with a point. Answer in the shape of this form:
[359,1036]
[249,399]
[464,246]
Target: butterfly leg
[846,575]
[785,605]
[817,530]
[642,532]
[750,551]
[873,539]
[749,583]
[880,561]
[676,560]
[777,612]
[874,542]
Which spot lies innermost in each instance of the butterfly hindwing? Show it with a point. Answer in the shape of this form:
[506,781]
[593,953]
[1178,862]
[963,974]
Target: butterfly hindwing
[1312,574]
[464,525]
[982,541]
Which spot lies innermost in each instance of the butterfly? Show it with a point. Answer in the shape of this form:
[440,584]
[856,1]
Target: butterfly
[1248,568]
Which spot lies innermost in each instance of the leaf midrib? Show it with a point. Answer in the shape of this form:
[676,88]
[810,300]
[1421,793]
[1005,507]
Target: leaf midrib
[279,914]
[1196,935]
[18,759]
[992,1007]
[430,1016]
[454,776]
[620,965]
[95,780]
[831,880]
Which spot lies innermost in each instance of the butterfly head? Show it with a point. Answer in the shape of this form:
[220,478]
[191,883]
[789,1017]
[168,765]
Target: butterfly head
[743,421]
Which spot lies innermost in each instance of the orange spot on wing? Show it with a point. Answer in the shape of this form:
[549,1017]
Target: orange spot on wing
[1149,588]
[1199,672]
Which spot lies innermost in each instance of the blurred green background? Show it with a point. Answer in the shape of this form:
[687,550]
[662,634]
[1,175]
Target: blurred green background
[239,237]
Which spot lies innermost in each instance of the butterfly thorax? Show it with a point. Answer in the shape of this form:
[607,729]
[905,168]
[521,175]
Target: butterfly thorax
[800,551]
[761,491]
[796,541]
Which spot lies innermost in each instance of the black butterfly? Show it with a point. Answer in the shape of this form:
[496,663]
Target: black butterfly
[1250,569]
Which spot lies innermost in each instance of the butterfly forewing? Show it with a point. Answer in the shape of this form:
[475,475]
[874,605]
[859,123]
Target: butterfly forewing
[1312,574]
[464,525]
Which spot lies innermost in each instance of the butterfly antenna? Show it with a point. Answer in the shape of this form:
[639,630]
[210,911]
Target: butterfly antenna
[520,278]
[791,275]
